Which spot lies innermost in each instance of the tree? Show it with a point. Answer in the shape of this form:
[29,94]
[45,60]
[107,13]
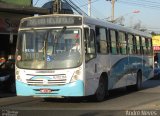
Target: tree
[137,26]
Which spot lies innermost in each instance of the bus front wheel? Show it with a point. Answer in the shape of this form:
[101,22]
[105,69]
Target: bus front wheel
[101,91]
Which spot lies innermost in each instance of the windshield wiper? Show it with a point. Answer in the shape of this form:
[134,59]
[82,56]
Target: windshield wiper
[59,35]
[44,48]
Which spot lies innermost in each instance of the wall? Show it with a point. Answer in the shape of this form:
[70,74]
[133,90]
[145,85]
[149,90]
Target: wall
[156,43]
[9,22]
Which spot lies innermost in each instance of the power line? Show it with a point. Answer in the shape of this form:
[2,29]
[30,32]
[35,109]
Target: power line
[144,2]
[83,4]
[140,4]
[36,2]
[149,1]
[87,3]
[75,7]
[77,2]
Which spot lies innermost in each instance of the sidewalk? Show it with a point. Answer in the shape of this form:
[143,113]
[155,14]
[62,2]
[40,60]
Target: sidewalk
[154,105]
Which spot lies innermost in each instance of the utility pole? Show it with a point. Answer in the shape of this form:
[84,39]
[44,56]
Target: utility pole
[56,6]
[89,7]
[113,2]
[112,13]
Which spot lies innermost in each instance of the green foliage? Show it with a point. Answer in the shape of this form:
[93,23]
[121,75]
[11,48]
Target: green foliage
[18,2]
[154,33]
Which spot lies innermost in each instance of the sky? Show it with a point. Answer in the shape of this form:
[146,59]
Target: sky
[147,18]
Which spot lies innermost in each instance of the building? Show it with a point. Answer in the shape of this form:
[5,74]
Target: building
[11,12]
[156,47]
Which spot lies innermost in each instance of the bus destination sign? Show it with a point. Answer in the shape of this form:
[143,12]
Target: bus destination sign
[51,21]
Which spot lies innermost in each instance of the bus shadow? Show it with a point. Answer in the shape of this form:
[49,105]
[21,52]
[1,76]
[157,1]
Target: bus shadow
[151,83]
[115,93]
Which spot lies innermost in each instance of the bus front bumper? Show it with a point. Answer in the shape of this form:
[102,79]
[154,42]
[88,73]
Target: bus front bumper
[67,90]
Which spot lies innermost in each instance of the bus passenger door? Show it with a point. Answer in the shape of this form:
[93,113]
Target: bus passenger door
[91,81]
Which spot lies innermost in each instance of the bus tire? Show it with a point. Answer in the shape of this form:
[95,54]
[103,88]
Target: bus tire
[101,91]
[138,84]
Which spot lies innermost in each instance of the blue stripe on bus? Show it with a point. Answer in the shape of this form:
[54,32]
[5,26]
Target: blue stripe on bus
[129,65]
[71,89]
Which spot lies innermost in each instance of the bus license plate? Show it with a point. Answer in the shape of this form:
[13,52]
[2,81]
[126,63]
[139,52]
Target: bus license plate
[45,91]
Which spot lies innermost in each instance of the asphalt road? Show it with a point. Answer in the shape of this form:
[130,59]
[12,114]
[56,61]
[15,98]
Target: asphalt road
[120,102]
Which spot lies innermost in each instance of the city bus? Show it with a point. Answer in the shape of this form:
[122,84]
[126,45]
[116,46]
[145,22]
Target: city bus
[66,55]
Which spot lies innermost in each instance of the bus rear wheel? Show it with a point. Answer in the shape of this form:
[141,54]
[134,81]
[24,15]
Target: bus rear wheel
[138,84]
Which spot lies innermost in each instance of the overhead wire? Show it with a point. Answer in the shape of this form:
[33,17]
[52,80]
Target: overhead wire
[149,1]
[36,2]
[145,3]
[87,3]
[83,4]
[153,6]
[79,3]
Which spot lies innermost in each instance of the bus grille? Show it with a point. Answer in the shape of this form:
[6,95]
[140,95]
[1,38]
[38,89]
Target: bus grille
[45,82]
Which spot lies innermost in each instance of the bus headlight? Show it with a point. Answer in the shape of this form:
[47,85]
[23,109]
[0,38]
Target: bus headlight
[76,76]
[17,74]
[18,77]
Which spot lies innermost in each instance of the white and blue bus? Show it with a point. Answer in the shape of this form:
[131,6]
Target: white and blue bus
[65,55]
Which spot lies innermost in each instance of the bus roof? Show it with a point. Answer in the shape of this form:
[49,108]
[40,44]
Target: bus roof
[97,22]
[110,25]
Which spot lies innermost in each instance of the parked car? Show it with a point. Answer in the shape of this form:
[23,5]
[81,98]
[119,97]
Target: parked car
[7,76]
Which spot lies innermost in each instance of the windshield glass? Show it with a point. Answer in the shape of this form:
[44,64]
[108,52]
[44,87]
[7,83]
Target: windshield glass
[49,49]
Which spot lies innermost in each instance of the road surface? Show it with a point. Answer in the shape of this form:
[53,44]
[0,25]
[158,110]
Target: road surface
[120,102]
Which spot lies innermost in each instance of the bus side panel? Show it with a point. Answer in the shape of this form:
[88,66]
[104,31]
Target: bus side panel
[119,72]
[91,77]
[124,70]
[148,71]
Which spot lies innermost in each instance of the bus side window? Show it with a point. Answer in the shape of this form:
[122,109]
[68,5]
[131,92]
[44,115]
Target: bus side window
[101,42]
[148,46]
[113,41]
[130,44]
[134,45]
[89,41]
[143,45]
[122,42]
[138,44]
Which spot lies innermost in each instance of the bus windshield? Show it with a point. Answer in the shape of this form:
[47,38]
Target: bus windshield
[49,49]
